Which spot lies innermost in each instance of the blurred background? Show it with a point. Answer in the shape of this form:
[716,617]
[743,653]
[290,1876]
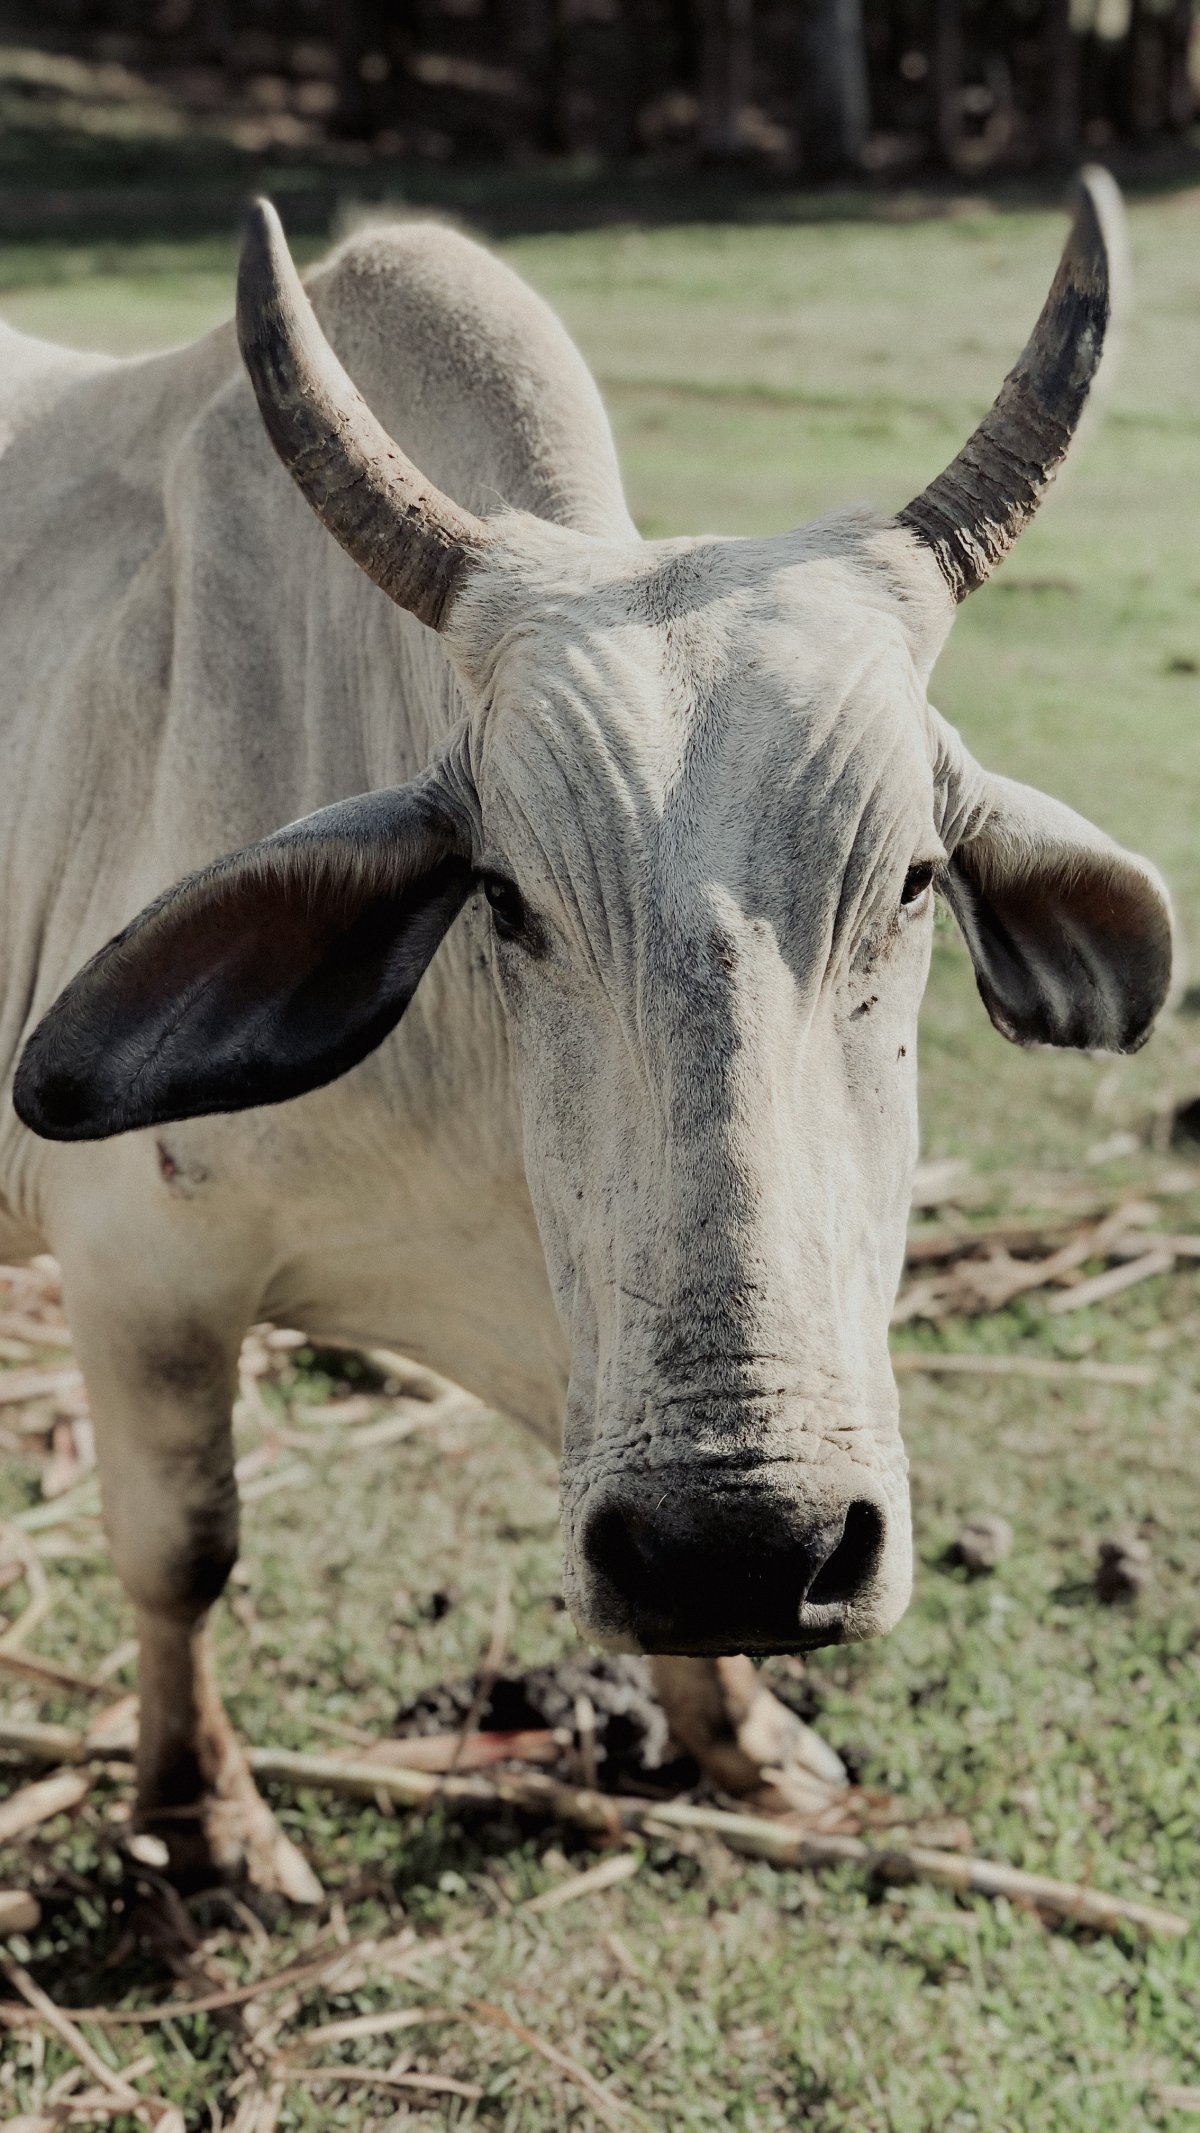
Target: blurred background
[800,242]
[817,88]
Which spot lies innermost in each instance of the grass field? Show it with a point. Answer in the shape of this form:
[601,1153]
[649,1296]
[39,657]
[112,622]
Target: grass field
[758,373]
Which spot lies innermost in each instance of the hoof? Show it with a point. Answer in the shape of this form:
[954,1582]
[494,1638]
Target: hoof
[227,1837]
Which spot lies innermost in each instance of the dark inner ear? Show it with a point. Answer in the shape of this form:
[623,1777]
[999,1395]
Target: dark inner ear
[1074,953]
[260,978]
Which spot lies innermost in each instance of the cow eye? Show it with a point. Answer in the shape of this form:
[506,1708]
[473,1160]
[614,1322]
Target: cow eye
[917,883]
[508,909]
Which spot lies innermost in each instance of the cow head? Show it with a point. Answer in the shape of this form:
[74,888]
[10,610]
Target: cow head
[703,791]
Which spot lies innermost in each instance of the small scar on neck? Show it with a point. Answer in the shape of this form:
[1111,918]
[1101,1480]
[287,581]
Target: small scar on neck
[166,1161]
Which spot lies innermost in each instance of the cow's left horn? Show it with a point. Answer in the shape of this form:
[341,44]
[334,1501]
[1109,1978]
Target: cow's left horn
[407,536]
[971,515]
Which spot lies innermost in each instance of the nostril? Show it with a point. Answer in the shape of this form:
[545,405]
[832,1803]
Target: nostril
[620,1549]
[846,1573]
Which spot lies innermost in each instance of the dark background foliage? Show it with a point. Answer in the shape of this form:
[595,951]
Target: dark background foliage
[815,87]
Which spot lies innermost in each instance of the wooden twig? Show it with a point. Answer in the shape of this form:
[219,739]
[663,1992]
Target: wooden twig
[19,1911]
[613,1815]
[940,1363]
[33,1570]
[83,1501]
[38,1384]
[34,1332]
[1111,1283]
[384,2024]
[472,1751]
[620,1866]
[48,1672]
[38,1803]
[376,2078]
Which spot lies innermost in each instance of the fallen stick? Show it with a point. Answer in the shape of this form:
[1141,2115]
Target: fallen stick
[38,1803]
[50,1673]
[83,1501]
[618,1867]
[19,1911]
[472,1751]
[34,1332]
[39,1743]
[38,1384]
[614,1815]
[1102,1286]
[370,2077]
[375,2025]
[910,1361]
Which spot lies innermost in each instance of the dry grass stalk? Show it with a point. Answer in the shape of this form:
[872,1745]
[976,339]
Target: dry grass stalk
[115,2085]
[384,2024]
[606,2106]
[370,2077]
[48,1672]
[622,1866]
[938,1364]
[40,1802]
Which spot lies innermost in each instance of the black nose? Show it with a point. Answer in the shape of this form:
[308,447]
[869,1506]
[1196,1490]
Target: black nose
[724,1569]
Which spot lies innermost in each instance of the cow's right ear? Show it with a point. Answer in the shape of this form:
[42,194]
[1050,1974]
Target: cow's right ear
[266,975]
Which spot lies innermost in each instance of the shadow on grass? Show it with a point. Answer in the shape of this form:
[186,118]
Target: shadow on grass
[64,177]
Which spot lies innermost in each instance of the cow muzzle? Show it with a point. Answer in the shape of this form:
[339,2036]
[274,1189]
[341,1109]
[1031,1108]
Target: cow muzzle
[711,1563]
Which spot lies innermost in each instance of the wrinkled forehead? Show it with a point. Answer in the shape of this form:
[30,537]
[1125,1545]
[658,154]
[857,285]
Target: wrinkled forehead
[716,697]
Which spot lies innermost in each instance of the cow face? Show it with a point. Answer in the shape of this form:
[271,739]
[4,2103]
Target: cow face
[702,789]
[713,807]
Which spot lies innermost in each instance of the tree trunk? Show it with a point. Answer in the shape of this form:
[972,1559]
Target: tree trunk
[726,73]
[1062,101]
[947,80]
[834,110]
[1180,92]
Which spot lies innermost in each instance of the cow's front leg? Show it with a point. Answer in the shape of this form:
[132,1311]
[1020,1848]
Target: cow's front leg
[161,1395]
[744,1739]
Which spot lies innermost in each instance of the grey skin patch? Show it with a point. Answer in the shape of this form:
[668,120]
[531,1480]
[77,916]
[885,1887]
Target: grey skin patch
[190,1361]
[198,1573]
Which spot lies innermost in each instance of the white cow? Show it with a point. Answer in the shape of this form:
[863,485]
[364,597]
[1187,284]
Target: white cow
[657,825]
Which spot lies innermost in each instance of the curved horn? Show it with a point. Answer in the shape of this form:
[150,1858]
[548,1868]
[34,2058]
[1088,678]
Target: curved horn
[971,515]
[407,536]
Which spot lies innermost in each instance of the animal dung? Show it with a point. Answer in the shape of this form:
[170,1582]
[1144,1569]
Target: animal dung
[983,1542]
[1123,1567]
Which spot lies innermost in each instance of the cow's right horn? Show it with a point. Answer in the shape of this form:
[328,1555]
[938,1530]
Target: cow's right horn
[971,515]
[410,539]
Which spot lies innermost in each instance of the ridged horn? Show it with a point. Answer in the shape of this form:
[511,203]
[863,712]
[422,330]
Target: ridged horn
[409,538]
[972,514]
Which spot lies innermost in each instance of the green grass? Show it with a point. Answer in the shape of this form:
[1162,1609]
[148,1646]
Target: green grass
[757,374]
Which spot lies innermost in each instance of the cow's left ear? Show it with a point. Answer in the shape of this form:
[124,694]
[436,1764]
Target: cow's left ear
[1069,934]
[273,971]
